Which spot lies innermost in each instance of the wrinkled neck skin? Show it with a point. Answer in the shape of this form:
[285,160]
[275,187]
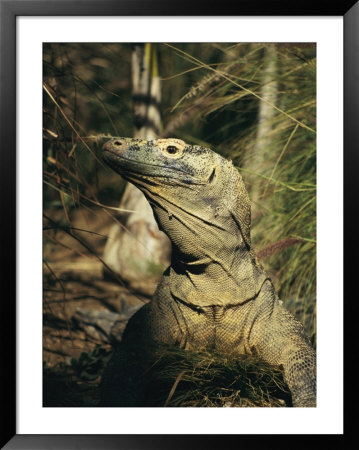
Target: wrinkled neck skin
[212,259]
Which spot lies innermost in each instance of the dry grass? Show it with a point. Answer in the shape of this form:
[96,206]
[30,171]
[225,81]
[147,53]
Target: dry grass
[205,379]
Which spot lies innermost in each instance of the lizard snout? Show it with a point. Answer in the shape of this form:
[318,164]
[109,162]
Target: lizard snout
[117,145]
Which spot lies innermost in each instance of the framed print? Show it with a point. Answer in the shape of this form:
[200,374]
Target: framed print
[120,334]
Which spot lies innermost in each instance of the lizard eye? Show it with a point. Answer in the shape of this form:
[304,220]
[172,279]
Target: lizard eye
[171,149]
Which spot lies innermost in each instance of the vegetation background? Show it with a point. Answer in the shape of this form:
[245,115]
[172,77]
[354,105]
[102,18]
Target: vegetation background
[254,103]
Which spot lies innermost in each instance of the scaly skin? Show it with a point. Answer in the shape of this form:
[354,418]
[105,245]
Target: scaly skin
[215,295]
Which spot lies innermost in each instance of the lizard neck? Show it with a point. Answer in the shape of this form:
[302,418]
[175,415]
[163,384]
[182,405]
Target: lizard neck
[214,279]
[212,263]
[212,259]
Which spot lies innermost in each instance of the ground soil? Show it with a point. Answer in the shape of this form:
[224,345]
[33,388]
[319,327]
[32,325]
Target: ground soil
[74,277]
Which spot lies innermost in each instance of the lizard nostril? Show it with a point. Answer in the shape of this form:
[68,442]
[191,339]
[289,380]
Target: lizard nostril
[116,145]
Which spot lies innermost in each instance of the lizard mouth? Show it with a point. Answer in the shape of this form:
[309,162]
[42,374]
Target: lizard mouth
[129,168]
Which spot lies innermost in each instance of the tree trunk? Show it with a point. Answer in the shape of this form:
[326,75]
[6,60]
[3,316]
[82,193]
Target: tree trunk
[262,155]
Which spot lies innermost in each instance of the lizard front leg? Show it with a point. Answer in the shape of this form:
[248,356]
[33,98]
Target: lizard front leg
[123,380]
[280,340]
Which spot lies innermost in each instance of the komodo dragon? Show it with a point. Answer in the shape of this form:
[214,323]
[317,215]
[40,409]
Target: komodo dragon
[215,295]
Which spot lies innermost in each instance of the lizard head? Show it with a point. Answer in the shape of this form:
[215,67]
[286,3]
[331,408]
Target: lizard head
[185,184]
[172,161]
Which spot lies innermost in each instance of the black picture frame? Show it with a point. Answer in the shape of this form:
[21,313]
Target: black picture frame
[9,10]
